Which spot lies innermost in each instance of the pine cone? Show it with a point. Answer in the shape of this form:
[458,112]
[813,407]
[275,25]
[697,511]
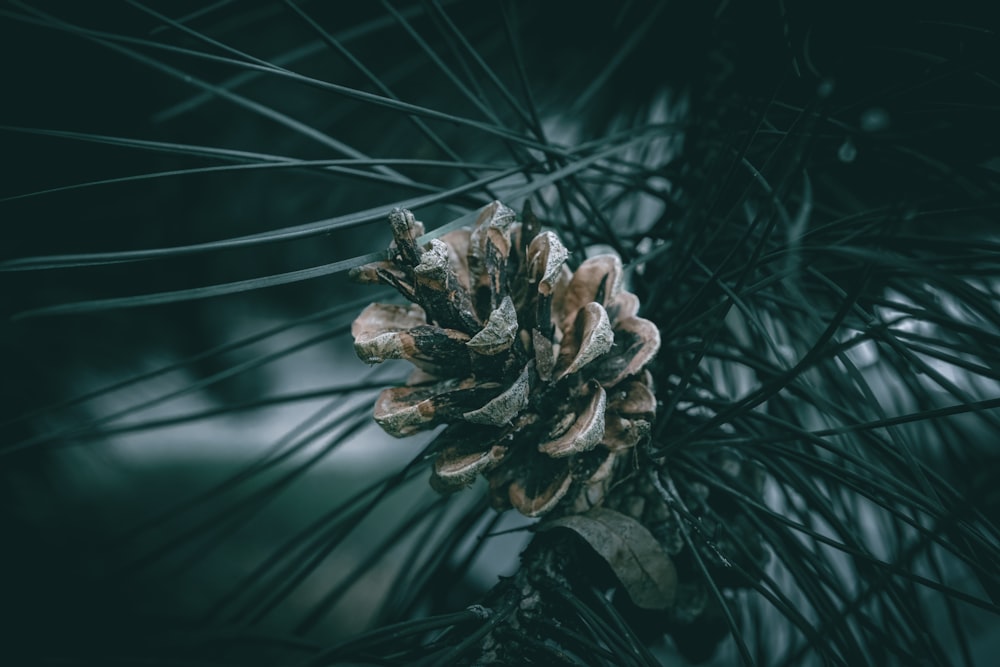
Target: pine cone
[537,371]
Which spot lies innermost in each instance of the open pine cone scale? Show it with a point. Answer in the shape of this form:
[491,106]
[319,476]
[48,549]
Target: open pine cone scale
[537,370]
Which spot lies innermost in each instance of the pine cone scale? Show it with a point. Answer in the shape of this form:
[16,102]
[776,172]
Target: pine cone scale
[586,431]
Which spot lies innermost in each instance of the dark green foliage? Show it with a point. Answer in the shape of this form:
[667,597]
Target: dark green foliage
[806,200]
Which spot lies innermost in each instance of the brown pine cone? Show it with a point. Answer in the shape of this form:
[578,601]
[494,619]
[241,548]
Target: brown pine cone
[537,371]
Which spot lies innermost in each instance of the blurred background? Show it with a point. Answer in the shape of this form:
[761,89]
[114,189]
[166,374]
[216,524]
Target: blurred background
[199,478]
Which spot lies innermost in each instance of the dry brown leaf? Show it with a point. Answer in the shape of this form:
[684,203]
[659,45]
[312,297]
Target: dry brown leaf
[639,562]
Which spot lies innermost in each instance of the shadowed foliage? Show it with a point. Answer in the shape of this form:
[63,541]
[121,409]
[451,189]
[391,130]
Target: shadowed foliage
[803,201]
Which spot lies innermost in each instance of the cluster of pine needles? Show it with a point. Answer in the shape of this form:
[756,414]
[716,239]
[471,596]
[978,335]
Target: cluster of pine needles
[805,202]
